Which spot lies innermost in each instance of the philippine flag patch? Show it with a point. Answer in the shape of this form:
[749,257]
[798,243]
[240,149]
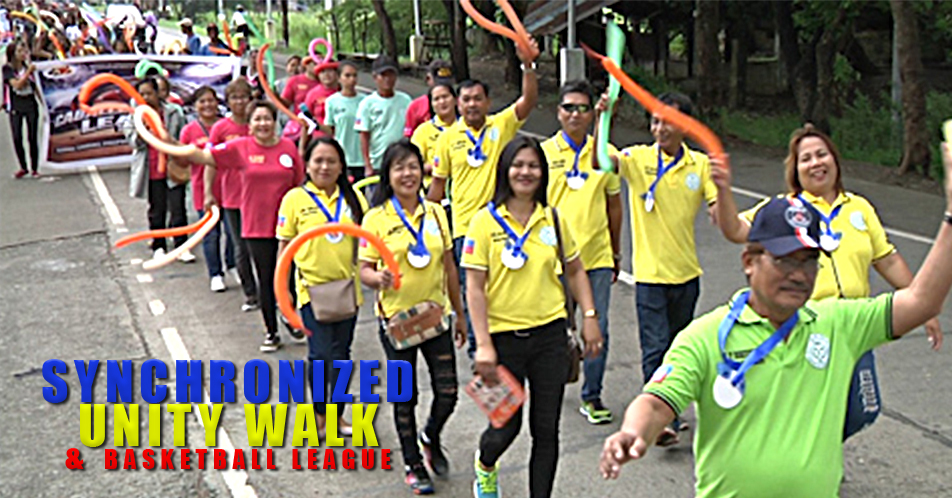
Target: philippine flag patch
[469,245]
[363,242]
[282,220]
[662,373]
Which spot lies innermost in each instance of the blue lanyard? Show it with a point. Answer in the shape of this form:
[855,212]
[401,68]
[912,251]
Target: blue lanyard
[662,169]
[477,151]
[438,127]
[327,214]
[740,369]
[518,241]
[827,220]
[419,248]
[578,152]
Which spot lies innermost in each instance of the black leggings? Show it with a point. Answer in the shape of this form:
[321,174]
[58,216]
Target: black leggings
[264,255]
[16,125]
[539,355]
[242,256]
[441,361]
[162,201]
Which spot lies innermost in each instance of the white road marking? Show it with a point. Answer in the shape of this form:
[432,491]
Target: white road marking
[135,261]
[157,307]
[236,480]
[115,217]
[144,278]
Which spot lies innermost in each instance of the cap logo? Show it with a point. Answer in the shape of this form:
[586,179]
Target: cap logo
[444,72]
[798,216]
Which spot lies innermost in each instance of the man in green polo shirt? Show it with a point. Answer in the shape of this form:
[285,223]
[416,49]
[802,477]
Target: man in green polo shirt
[769,371]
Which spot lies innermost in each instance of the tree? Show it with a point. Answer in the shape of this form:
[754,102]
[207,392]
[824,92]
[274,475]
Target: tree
[457,20]
[915,140]
[389,36]
[285,27]
[706,26]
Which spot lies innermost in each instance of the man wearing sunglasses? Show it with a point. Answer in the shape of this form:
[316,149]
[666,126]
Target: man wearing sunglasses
[590,202]
[668,184]
[768,371]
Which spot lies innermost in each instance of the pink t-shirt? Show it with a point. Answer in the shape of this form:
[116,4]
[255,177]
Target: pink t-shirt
[194,134]
[267,174]
[224,131]
[296,89]
[417,114]
[315,102]
[153,159]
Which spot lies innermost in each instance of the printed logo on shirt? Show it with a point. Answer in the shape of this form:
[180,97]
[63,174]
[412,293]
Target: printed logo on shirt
[469,246]
[431,227]
[547,236]
[282,220]
[358,122]
[286,161]
[818,351]
[858,221]
[494,133]
[302,87]
[661,373]
[693,181]
[220,146]
[256,159]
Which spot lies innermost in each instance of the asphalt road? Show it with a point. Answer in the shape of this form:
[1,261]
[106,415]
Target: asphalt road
[68,294]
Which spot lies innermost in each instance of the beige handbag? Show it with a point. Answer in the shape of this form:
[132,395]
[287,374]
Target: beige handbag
[335,300]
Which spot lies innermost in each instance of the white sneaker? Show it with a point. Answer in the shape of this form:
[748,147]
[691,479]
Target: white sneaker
[158,253]
[234,274]
[218,284]
[187,257]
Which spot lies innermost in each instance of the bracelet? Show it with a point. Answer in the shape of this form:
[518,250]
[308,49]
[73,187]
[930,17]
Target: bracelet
[530,67]
[948,217]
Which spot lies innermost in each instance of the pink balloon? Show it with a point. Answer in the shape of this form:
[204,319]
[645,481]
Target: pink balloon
[328,51]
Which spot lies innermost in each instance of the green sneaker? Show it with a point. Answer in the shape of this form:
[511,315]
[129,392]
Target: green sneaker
[595,412]
[486,484]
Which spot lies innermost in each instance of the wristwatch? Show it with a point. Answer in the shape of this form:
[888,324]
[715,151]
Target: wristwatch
[948,217]
[528,67]
[590,314]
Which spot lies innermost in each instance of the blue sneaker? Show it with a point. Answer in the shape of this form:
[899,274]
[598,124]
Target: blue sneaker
[486,484]
[419,479]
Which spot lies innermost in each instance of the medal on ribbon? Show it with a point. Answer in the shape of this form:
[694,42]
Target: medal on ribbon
[417,254]
[336,237]
[513,257]
[649,196]
[573,177]
[475,157]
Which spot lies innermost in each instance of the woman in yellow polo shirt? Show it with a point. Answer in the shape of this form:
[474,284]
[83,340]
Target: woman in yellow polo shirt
[417,233]
[443,108]
[517,306]
[325,197]
[853,239]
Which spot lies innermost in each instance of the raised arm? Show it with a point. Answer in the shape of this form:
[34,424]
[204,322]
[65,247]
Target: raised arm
[923,298]
[530,83]
[733,228]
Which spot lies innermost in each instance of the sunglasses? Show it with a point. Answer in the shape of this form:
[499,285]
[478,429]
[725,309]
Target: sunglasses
[570,108]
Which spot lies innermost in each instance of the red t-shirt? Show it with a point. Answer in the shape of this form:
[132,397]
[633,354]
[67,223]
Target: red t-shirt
[296,89]
[267,174]
[224,131]
[315,102]
[417,114]
[193,133]
[154,173]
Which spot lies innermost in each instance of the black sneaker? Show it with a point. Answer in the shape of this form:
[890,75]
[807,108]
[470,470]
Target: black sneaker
[297,334]
[271,344]
[433,456]
[418,479]
[251,304]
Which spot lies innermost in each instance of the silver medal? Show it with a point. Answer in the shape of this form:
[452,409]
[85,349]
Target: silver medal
[725,394]
[335,237]
[649,202]
[418,261]
[828,242]
[474,161]
[512,260]
[575,181]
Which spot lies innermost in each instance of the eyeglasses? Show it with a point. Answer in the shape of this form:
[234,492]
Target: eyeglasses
[790,264]
[570,108]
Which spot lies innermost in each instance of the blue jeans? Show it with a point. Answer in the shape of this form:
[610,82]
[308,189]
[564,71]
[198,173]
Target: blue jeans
[663,311]
[601,281]
[211,247]
[470,336]
[328,342]
[864,403]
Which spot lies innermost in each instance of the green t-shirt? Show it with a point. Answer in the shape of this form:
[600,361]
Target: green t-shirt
[384,119]
[340,112]
[785,437]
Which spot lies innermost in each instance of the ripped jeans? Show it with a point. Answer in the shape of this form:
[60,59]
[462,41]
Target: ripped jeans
[441,361]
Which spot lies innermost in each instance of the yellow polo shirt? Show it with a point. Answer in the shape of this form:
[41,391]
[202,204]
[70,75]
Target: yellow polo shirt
[864,241]
[426,135]
[532,295]
[664,247]
[473,186]
[318,260]
[416,284]
[585,209]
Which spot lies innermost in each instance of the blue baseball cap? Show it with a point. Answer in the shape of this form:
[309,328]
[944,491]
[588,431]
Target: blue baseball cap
[785,225]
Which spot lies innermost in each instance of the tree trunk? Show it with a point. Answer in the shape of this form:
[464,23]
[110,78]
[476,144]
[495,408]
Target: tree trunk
[706,25]
[915,141]
[458,54]
[825,56]
[800,61]
[386,25]
[285,27]
[513,72]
